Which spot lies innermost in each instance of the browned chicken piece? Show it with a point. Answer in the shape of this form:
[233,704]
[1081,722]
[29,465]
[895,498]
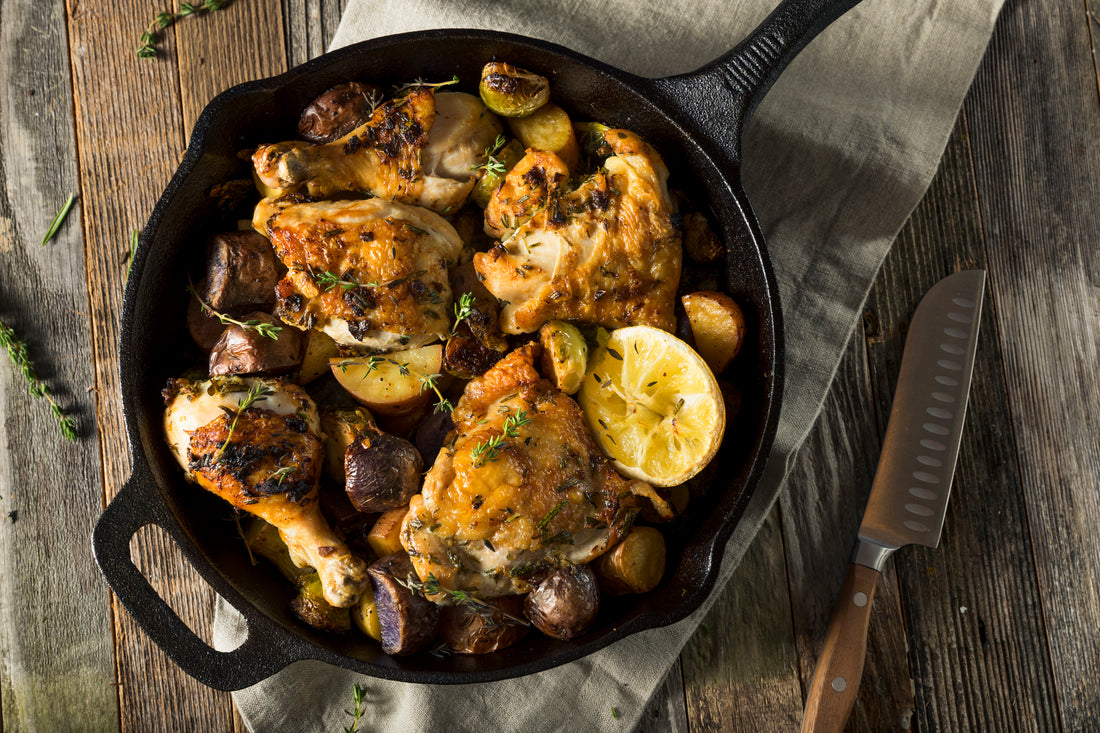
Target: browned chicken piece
[420,149]
[536,179]
[256,443]
[606,252]
[369,273]
[521,490]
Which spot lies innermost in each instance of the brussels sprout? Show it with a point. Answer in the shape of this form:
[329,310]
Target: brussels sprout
[494,170]
[564,355]
[512,92]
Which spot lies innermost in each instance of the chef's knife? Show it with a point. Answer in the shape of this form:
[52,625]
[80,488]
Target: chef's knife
[909,495]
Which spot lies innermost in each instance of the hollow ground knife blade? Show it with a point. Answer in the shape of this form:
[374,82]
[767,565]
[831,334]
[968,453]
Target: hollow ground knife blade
[912,484]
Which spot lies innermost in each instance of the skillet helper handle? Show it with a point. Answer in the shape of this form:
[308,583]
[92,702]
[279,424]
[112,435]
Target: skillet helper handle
[251,662]
[840,667]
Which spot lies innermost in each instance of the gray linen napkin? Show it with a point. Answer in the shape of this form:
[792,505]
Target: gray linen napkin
[836,158]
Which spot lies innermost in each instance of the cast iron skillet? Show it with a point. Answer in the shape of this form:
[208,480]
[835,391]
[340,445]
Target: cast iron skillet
[695,121]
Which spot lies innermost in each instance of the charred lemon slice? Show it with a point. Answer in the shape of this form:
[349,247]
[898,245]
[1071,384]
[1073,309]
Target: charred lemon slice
[653,405]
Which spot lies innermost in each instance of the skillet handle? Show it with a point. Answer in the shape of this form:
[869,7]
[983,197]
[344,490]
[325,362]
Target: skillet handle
[722,95]
[254,660]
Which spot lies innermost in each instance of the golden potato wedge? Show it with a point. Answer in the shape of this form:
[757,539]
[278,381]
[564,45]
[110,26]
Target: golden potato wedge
[264,540]
[718,326]
[385,536]
[319,349]
[635,565]
[342,428]
[564,355]
[390,384]
[365,615]
[548,128]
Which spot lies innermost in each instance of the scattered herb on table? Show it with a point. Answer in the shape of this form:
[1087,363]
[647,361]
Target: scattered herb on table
[58,220]
[17,350]
[133,251]
[147,48]
[357,695]
[615,713]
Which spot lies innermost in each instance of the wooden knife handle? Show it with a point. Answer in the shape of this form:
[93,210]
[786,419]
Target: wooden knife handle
[840,667]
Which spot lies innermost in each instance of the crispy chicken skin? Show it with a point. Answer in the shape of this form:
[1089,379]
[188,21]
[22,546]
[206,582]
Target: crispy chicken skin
[417,149]
[606,252]
[397,254]
[494,521]
[266,460]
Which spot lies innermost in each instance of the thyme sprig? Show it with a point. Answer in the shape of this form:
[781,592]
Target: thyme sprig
[464,308]
[147,42]
[133,251]
[489,450]
[487,611]
[431,381]
[427,381]
[357,695]
[492,165]
[58,220]
[17,350]
[256,392]
[268,330]
[419,83]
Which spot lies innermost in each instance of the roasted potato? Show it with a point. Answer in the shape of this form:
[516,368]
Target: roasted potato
[243,350]
[432,434]
[635,565]
[467,629]
[318,351]
[390,384]
[241,272]
[338,111]
[263,539]
[409,622]
[204,328]
[673,500]
[365,615]
[564,355]
[383,472]
[385,536]
[311,608]
[718,326]
[565,604]
[548,128]
[343,426]
[512,92]
[700,242]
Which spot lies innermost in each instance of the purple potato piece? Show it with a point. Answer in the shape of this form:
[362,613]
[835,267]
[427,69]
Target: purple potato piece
[431,435]
[465,630]
[241,273]
[205,329]
[382,472]
[409,621]
[565,604]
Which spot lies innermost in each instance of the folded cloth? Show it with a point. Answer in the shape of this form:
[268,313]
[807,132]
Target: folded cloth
[835,159]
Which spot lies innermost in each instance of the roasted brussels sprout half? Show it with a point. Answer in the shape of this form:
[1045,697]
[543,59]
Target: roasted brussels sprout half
[497,164]
[564,355]
[311,608]
[512,92]
[365,615]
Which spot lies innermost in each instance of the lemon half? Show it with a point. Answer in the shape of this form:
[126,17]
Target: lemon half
[653,405]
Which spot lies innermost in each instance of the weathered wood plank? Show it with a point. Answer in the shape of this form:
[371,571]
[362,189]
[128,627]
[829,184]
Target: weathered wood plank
[666,712]
[310,26]
[1038,180]
[741,666]
[977,649]
[821,510]
[55,622]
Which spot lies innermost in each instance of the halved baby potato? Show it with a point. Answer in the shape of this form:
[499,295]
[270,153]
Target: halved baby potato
[718,326]
[390,384]
[548,128]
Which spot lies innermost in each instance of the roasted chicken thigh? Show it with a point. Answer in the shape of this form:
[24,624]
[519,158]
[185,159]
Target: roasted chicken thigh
[256,443]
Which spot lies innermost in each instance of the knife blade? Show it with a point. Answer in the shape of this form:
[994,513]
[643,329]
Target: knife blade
[912,484]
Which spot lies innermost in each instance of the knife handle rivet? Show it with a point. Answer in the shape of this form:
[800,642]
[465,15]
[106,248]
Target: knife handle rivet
[839,684]
[860,599]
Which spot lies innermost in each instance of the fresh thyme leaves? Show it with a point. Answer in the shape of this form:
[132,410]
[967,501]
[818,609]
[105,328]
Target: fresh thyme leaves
[58,220]
[432,587]
[492,166]
[268,330]
[17,350]
[147,42]
[420,83]
[489,451]
[550,515]
[464,308]
[133,251]
[280,474]
[430,381]
[357,695]
[256,392]
[615,713]
[328,281]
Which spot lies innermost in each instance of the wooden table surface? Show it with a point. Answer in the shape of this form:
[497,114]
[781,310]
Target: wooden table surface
[997,629]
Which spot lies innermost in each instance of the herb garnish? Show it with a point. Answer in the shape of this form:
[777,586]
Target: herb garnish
[17,350]
[464,308]
[58,220]
[489,451]
[492,166]
[419,83]
[427,381]
[357,695]
[147,48]
[256,392]
[550,515]
[487,611]
[268,330]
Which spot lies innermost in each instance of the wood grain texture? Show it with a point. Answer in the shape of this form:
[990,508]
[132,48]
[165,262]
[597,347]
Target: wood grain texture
[55,622]
[741,666]
[310,26]
[1037,172]
[666,712]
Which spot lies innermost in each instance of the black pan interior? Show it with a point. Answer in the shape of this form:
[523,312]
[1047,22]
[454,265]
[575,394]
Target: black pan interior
[154,339]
